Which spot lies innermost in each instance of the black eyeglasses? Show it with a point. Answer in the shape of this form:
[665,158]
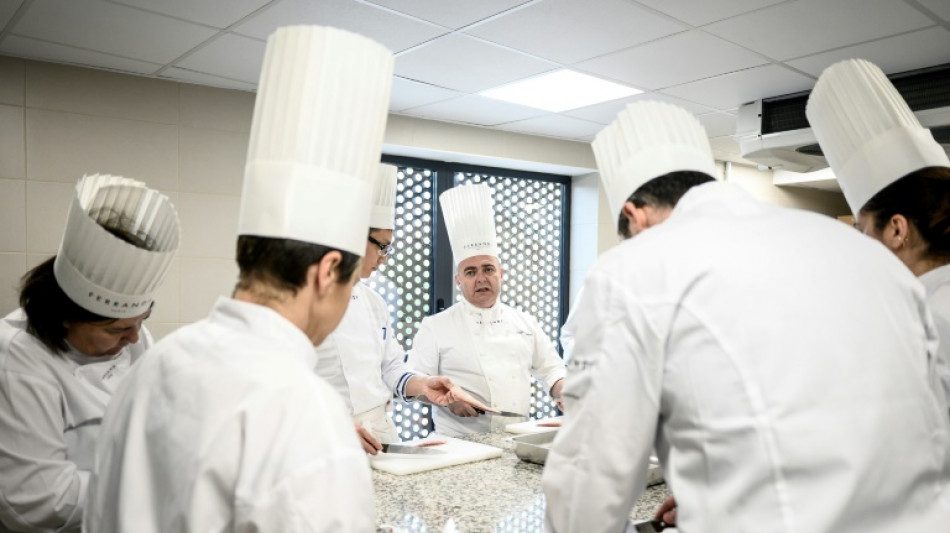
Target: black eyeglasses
[384,249]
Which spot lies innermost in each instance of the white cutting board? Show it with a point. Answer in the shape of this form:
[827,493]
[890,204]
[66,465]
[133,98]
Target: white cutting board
[457,452]
[531,426]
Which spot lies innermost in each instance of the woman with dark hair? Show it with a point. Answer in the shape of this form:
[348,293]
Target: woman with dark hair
[895,177]
[75,336]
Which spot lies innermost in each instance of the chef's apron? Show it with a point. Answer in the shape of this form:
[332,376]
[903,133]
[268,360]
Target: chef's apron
[379,422]
[504,354]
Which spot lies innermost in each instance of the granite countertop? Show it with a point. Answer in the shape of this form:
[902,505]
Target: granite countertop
[495,495]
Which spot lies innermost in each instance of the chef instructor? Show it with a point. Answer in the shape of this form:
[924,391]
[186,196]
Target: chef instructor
[716,336]
[488,348]
[361,359]
[75,337]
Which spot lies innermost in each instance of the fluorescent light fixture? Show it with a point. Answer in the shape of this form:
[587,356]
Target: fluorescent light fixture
[559,91]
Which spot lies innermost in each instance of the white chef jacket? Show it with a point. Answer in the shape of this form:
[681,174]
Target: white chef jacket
[778,361]
[492,353]
[937,284]
[223,426]
[50,410]
[362,360]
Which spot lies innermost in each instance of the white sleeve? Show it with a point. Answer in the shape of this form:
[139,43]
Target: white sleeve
[424,355]
[39,488]
[546,364]
[596,468]
[395,371]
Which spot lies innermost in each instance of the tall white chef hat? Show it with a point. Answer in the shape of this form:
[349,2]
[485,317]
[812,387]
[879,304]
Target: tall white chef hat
[645,141]
[867,132]
[383,215]
[120,238]
[316,137]
[469,213]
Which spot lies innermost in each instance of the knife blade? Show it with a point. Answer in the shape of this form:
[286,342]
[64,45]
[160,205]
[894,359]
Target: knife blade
[499,413]
[412,450]
[650,526]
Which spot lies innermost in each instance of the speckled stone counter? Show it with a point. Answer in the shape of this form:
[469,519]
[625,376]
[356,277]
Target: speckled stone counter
[496,495]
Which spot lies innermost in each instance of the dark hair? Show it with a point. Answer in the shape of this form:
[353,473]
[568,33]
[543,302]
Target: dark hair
[662,191]
[47,307]
[923,197]
[282,263]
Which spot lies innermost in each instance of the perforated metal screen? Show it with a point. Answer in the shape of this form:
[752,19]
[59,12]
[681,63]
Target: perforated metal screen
[528,218]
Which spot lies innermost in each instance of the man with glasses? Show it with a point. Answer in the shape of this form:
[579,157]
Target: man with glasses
[361,359]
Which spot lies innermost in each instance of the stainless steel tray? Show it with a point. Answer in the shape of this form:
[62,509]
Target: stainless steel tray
[533,448]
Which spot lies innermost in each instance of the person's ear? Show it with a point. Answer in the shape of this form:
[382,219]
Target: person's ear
[896,232]
[325,272]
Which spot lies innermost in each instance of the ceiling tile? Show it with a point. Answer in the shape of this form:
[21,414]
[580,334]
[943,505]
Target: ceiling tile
[110,28]
[941,8]
[732,90]
[466,64]
[33,49]
[230,56]
[187,76]
[475,110]
[217,13]
[718,124]
[726,144]
[450,13]
[393,31]
[805,27]
[698,55]
[554,126]
[930,46]
[569,31]
[606,112]
[407,94]
[699,13]
[7,9]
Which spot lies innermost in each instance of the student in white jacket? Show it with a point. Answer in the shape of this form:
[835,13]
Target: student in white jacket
[490,349]
[76,335]
[765,374]
[361,359]
[894,175]
[223,426]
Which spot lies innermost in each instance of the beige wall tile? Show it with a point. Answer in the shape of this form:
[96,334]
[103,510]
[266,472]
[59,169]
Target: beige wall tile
[202,282]
[12,142]
[212,161]
[208,225]
[12,268]
[11,81]
[160,330]
[65,146]
[46,206]
[209,107]
[12,216]
[32,260]
[168,297]
[100,93]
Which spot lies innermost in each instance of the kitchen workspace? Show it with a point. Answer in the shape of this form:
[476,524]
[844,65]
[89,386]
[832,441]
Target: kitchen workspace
[415,266]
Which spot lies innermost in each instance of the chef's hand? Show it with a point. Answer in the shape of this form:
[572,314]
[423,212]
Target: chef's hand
[462,409]
[667,512]
[441,391]
[370,444]
[556,392]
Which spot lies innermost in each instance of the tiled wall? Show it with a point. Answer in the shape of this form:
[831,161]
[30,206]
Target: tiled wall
[58,123]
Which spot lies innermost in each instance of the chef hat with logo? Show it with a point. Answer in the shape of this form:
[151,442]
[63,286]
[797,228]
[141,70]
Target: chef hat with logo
[469,214]
[383,215]
[316,137]
[120,238]
[867,132]
[645,141]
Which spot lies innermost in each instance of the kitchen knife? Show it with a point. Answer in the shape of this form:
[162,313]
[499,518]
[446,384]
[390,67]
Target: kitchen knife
[650,526]
[414,450]
[499,413]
